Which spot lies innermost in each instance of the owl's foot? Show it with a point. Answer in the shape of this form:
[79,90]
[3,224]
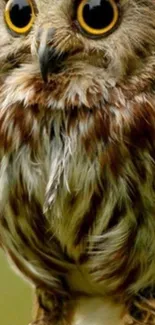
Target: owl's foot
[142,309]
[50,309]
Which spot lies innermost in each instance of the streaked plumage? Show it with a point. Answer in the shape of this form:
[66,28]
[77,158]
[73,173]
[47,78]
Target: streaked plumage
[77,186]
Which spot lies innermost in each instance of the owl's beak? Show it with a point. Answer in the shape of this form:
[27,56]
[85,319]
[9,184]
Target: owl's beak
[50,60]
[43,62]
[45,56]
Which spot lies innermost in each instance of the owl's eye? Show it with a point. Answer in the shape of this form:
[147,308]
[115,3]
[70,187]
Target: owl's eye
[97,17]
[19,16]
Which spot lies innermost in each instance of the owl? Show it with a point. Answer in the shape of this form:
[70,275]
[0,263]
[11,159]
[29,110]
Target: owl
[77,157]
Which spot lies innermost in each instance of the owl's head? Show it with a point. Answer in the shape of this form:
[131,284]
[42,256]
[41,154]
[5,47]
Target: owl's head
[68,46]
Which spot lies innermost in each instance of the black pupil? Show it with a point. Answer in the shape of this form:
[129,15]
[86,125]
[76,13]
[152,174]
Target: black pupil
[20,13]
[98,14]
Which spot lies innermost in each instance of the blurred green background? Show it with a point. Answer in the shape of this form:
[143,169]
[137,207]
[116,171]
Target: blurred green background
[15,296]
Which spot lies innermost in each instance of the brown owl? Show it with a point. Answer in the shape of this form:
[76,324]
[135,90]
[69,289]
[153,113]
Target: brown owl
[77,156]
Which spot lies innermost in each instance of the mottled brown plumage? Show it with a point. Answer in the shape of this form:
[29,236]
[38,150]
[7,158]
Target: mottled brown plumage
[77,175]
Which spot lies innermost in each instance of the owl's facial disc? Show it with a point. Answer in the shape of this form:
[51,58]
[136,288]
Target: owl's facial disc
[89,19]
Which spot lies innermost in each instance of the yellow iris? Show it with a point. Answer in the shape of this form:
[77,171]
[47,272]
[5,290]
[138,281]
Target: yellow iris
[27,16]
[97,31]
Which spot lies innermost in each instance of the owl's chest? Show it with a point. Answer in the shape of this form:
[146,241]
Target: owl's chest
[87,185]
[53,189]
[77,178]
[76,198]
